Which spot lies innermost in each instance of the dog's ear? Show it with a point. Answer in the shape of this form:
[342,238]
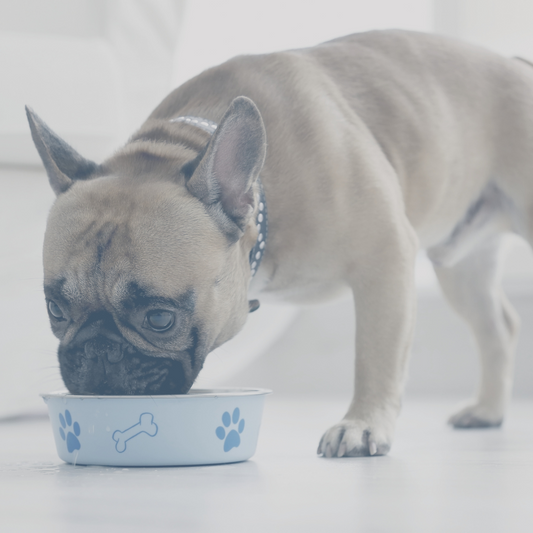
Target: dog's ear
[232,161]
[62,163]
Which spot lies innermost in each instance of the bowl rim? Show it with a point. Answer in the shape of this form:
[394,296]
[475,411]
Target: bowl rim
[196,393]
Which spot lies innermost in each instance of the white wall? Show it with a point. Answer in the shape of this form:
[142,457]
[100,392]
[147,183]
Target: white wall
[93,69]
[215,31]
[505,26]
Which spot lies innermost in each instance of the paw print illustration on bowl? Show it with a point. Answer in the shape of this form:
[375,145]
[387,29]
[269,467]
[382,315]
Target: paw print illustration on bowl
[71,438]
[231,438]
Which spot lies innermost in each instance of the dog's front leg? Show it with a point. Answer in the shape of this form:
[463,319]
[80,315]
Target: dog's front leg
[383,288]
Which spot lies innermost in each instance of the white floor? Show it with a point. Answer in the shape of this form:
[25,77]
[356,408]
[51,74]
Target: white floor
[434,480]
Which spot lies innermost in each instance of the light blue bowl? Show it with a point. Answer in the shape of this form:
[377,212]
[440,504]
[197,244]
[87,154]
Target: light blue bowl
[199,428]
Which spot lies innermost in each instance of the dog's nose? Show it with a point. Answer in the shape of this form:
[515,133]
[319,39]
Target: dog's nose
[102,347]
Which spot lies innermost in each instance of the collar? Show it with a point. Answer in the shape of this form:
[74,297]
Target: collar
[261,219]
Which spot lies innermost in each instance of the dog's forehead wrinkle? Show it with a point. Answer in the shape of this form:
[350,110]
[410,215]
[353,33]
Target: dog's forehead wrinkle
[136,295]
[73,288]
[119,289]
[103,239]
[55,288]
[69,289]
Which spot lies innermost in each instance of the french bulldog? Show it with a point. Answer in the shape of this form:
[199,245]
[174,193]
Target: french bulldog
[297,175]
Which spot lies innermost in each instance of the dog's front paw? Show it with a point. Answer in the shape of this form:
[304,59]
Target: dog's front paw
[356,438]
[477,416]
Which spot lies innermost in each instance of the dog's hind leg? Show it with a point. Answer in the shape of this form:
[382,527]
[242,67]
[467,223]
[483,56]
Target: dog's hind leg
[473,288]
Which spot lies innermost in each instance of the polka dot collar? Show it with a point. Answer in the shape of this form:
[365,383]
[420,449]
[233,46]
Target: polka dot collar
[261,220]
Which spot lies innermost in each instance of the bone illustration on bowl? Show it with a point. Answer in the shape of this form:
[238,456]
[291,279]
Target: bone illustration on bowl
[145,425]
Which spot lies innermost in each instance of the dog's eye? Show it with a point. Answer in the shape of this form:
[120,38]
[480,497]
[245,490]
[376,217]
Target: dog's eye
[55,310]
[160,320]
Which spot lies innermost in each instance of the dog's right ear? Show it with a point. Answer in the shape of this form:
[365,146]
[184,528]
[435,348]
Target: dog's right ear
[62,163]
[234,157]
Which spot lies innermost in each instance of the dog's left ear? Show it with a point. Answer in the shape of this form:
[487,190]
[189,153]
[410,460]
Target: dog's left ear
[234,157]
[62,163]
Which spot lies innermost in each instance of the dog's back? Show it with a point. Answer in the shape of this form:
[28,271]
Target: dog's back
[445,113]
[442,112]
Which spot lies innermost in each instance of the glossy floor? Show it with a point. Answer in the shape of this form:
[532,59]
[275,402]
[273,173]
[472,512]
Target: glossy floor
[435,480]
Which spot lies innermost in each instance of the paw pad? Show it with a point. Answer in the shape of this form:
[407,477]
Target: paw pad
[71,438]
[231,437]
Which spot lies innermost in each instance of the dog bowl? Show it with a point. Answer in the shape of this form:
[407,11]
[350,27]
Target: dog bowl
[199,428]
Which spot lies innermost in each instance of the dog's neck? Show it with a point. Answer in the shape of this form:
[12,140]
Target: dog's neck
[261,219]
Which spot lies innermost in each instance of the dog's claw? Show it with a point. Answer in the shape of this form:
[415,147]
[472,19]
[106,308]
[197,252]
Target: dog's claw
[357,438]
[372,448]
[342,450]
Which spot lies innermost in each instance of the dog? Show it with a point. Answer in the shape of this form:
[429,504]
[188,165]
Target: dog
[297,175]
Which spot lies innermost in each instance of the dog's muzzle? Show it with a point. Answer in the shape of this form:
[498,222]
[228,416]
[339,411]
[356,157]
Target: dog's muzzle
[101,361]
[102,347]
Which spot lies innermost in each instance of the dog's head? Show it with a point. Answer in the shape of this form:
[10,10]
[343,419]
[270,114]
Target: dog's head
[146,265]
